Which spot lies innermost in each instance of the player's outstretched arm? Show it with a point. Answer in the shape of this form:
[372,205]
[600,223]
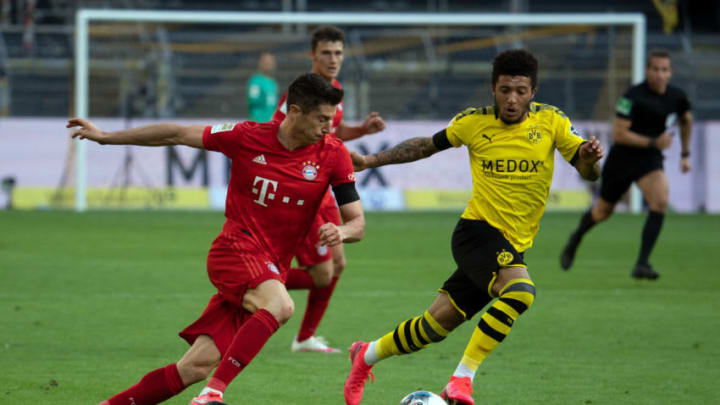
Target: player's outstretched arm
[407,151]
[589,154]
[148,135]
[373,123]
[352,229]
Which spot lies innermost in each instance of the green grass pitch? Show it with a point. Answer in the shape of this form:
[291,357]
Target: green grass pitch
[90,302]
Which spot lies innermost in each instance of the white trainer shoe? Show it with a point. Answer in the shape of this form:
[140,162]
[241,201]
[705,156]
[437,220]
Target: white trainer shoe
[316,344]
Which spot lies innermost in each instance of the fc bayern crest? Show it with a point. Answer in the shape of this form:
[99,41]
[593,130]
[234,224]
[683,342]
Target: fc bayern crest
[272,267]
[310,170]
[322,250]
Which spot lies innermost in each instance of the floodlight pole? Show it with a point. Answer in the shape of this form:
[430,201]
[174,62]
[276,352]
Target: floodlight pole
[84,16]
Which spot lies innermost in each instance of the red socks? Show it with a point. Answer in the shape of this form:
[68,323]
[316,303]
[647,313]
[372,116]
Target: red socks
[164,383]
[298,279]
[155,387]
[248,341]
[318,300]
[317,303]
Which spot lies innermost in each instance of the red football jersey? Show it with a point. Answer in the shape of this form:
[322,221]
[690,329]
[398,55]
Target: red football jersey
[274,193]
[281,110]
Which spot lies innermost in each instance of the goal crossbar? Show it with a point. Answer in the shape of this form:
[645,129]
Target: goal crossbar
[85,16]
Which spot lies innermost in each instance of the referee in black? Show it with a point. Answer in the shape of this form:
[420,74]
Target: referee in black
[644,116]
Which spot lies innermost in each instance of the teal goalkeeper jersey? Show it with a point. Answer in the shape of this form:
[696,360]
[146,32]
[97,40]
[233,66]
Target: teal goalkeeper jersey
[262,97]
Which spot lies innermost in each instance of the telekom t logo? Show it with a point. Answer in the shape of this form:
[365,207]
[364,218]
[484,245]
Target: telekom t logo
[263,192]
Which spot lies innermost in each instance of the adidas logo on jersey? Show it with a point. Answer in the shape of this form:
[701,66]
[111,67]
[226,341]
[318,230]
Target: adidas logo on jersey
[260,159]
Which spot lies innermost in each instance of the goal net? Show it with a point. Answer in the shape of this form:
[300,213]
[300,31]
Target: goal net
[416,70]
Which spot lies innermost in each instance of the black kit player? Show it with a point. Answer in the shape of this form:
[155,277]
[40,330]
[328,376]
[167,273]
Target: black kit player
[642,130]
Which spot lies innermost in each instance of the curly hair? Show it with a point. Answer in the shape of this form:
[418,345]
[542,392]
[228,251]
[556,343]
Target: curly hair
[310,90]
[515,62]
[326,33]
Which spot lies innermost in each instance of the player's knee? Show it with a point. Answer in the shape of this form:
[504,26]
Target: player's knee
[659,204]
[322,274]
[600,214]
[445,313]
[339,263]
[282,311]
[285,313]
[519,294]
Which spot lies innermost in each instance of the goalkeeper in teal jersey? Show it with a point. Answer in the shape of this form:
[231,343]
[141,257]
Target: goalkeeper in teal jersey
[262,90]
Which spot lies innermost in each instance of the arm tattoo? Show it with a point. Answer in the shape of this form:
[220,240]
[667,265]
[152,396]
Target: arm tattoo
[406,151]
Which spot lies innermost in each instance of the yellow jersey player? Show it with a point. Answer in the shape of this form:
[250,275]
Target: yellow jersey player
[511,146]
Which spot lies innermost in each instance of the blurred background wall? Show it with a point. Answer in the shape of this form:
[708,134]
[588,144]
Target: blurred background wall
[417,78]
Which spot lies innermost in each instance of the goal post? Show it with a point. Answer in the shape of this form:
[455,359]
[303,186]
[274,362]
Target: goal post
[85,16]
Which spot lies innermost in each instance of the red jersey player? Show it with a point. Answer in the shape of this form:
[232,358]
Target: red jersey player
[321,266]
[280,174]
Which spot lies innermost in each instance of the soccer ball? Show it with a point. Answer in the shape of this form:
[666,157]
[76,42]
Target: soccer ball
[422,398]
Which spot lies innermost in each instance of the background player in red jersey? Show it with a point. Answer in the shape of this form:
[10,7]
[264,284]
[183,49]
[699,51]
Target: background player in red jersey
[321,266]
[280,174]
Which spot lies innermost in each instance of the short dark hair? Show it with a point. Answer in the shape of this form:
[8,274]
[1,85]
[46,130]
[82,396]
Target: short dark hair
[515,62]
[326,33]
[310,90]
[657,53]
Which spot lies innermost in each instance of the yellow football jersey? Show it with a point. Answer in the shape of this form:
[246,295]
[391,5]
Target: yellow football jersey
[512,165]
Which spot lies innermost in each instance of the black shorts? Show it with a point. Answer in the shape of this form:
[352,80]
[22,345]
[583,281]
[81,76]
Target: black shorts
[479,251]
[623,167]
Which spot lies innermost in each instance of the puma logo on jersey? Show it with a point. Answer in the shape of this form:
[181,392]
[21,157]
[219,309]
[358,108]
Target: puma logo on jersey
[487,137]
[260,159]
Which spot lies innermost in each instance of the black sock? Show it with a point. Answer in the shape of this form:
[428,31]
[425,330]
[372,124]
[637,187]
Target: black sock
[650,233]
[586,222]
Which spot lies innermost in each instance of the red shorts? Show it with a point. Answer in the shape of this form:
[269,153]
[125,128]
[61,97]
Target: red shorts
[234,265]
[311,252]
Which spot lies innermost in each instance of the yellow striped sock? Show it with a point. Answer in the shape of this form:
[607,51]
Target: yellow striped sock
[410,336]
[515,298]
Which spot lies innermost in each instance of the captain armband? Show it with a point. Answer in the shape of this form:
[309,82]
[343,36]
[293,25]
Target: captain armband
[345,193]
